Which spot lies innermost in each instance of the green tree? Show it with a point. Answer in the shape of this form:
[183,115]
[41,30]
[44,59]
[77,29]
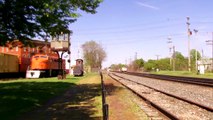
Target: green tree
[117,67]
[26,19]
[193,58]
[113,67]
[93,54]
[138,64]
[150,65]
[180,61]
[163,64]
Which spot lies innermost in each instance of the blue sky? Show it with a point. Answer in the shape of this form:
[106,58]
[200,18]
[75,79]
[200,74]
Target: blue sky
[127,27]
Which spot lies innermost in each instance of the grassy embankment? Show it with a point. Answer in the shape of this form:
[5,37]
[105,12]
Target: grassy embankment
[23,95]
[185,73]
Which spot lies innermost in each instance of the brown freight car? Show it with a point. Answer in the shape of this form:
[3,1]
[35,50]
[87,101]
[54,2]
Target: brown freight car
[8,65]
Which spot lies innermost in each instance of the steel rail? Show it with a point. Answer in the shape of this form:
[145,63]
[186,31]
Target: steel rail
[160,109]
[190,80]
[175,96]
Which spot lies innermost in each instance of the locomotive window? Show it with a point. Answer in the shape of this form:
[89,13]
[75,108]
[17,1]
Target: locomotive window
[36,56]
[43,56]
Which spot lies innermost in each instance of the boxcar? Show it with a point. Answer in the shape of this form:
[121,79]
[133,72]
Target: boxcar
[9,64]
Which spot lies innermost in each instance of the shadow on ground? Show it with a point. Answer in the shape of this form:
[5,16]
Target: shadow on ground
[112,89]
[28,101]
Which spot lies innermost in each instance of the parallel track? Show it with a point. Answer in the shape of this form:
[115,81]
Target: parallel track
[190,80]
[166,113]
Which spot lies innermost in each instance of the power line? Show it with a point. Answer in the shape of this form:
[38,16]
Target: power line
[130,26]
[133,29]
[120,31]
[131,39]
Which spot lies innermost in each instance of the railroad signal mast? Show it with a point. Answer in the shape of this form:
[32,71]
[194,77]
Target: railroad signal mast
[60,44]
[189,34]
[210,42]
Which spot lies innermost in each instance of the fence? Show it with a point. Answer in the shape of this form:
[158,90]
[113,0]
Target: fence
[104,104]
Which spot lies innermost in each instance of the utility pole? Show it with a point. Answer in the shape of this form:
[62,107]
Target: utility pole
[210,42]
[189,33]
[78,54]
[70,57]
[170,49]
[173,63]
[195,51]
[136,55]
[157,56]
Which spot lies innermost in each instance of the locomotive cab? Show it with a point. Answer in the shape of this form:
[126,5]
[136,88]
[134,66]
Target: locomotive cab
[43,65]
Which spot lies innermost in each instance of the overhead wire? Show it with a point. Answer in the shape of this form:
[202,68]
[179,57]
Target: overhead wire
[128,26]
[135,28]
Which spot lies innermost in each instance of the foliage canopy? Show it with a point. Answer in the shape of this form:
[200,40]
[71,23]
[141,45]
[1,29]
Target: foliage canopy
[26,19]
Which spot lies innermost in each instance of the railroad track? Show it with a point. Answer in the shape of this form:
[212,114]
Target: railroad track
[151,109]
[190,80]
[129,84]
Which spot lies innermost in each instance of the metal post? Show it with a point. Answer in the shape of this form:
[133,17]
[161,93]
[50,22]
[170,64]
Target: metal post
[189,33]
[157,56]
[173,58]
[212,51]
[210,42]
[58,59]
[69,52]
[62,71]
[170,48]
[196,52]
[105,106]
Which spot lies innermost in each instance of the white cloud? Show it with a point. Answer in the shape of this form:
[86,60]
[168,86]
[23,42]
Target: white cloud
[147,6]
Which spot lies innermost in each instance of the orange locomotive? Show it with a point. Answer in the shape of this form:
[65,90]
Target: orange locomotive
[43,65]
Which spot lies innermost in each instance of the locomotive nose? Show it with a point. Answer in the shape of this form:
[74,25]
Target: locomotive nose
[39,63]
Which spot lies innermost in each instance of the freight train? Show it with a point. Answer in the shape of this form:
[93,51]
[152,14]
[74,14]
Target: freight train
[43,65]
[15,57]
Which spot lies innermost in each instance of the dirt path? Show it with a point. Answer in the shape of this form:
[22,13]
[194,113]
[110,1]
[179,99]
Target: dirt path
[121,107]
[80,103]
